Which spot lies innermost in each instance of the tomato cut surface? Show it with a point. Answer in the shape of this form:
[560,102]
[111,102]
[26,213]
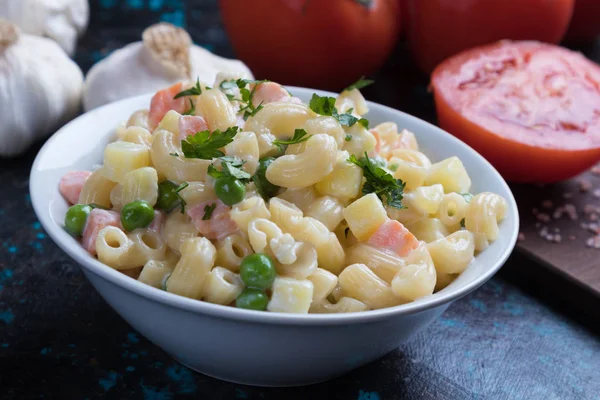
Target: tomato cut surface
[532,109]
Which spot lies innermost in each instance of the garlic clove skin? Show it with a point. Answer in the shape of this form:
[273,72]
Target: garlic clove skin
[40,89]
[64,21]
[164,57]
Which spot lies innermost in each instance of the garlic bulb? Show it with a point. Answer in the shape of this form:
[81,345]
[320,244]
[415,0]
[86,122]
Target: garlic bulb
[61,20]
[165,56]
[40,88]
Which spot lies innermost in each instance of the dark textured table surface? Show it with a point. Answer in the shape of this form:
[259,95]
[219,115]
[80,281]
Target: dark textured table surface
[58,339]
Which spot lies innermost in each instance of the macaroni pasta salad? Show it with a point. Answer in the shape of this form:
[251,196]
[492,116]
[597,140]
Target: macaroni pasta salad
[241,195]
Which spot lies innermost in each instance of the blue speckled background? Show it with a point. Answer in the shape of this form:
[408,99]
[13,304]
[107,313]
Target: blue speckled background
[59,340]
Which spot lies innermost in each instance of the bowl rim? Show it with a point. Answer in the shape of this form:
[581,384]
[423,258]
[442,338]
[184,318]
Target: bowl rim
[90,264]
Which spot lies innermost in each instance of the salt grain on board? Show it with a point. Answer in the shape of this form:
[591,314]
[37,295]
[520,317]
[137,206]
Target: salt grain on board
[543,217]
[591,213]
[584,185]
[571,211]
[557,213]
[594,242]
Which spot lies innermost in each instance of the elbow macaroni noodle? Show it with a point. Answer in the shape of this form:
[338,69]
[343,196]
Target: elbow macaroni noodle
[334,248]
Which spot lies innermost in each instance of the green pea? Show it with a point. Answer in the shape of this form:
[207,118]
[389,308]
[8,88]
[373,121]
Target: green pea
[258,270]
[168,198]
[260,178]
[252,299]
[230,190]
[76,218]
[137,214]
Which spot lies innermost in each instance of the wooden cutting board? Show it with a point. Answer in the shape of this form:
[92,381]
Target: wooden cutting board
[560,225]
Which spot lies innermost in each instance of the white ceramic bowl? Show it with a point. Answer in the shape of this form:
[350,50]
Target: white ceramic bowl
[252,347]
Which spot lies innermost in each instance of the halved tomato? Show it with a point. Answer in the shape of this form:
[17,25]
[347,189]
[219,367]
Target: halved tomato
[531,109]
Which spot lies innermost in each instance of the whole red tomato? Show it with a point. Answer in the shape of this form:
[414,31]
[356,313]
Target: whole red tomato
[585,24]
[441,28]
[313,43]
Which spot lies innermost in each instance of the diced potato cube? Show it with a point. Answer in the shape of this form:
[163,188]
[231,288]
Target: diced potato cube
[291,296]
[170,122]
[365,216]
[324,282]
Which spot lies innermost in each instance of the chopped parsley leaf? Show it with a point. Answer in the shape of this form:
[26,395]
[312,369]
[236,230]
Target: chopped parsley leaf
[193,91]
[300,135]
[252,111]
[230,167]
[380,182]
[246,106]
[192,109]
[206,145]
[258,183]
[94,205]
[322,105]
[182,202]
[326,106]
[359,84]
[208,210]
